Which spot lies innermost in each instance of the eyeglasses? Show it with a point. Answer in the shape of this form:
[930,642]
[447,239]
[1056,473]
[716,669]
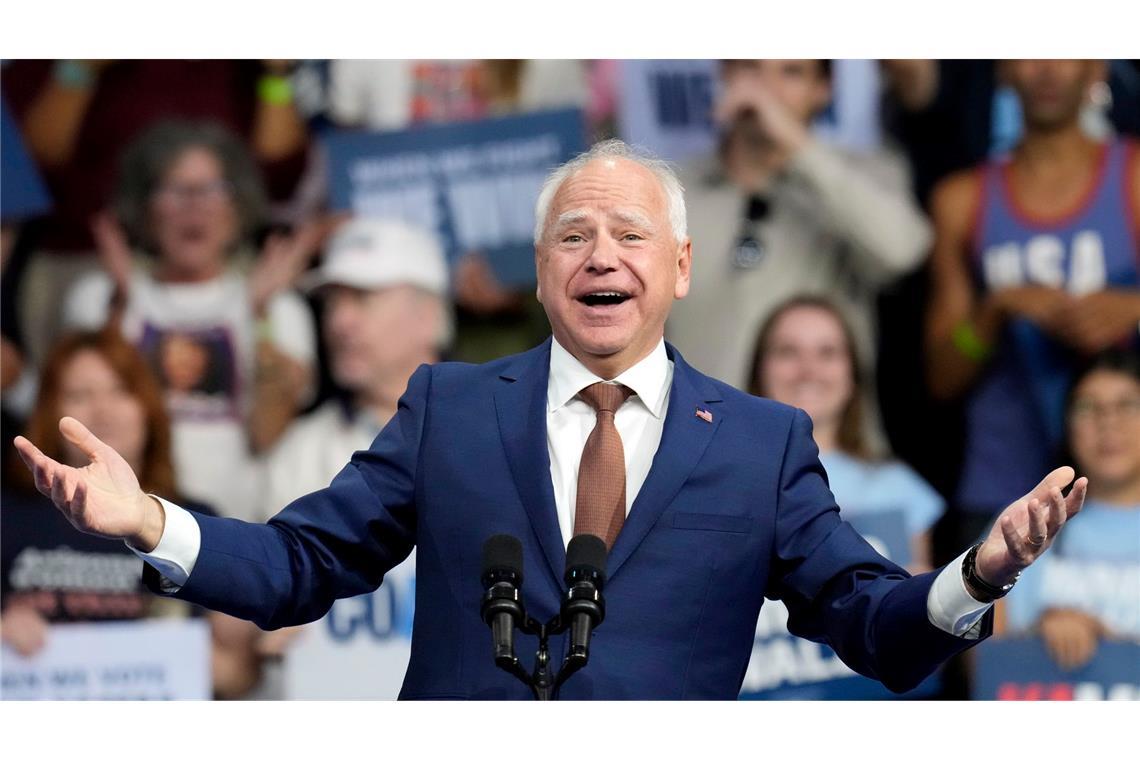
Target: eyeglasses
[749,251]
[1083,410]
[177,194]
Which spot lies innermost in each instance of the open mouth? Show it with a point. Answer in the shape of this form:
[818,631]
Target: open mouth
[604,298]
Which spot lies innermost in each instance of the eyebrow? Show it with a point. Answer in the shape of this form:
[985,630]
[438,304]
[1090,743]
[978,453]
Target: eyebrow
[570,217]
[636,218]
[574,216]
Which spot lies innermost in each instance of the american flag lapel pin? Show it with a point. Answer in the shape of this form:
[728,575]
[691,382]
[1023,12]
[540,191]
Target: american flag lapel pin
[704,414]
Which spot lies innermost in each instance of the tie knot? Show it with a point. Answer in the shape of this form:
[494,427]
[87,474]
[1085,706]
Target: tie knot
[605,397]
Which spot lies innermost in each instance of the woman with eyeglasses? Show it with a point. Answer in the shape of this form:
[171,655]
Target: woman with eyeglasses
[233,347]
[1088,588]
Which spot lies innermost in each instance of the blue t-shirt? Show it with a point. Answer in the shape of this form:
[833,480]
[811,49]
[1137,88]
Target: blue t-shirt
[1094,566]
[861,487]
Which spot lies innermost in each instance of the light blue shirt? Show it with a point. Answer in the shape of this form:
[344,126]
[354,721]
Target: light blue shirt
[1094,567]
[861,487]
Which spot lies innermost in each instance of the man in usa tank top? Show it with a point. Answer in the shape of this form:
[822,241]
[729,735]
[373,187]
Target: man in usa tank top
[1036,267]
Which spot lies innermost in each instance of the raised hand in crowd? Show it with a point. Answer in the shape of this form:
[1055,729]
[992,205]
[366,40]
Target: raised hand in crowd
[284,257]
[54,119]
[477,289]
[748,99]
[114,252]
[24,629]
[1096,321]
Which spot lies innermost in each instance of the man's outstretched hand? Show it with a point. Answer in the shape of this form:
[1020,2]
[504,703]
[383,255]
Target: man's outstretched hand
[103,498]
[1027,527]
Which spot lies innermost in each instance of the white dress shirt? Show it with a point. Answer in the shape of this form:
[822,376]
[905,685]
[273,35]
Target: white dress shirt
[569,420]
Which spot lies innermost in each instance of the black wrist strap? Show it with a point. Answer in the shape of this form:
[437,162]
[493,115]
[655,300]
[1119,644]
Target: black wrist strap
[980,589]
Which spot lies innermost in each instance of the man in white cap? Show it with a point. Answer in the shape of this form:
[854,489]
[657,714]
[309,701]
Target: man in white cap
[383,292]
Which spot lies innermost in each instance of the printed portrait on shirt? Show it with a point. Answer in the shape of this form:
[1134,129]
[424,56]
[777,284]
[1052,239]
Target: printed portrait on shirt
[197,369]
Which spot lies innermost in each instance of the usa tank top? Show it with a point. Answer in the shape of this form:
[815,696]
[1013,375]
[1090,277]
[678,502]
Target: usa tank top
[1014,414]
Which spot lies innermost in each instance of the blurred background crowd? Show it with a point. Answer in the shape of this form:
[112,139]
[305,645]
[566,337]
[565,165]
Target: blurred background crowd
[939,260]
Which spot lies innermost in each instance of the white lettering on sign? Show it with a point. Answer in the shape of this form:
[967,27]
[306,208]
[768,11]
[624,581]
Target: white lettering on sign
[791,661]
[1087,274]
[1041,261]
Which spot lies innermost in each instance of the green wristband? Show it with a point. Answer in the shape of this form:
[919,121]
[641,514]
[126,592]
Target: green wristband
[275,90]
[968,343]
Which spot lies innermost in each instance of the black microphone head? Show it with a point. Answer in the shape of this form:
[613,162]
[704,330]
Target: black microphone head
[502,559]
[586,559]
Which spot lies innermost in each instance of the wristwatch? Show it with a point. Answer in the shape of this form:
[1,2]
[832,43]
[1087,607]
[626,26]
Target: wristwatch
[978,588]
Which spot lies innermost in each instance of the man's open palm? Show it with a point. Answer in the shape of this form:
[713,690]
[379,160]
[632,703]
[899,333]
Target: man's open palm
[102,498]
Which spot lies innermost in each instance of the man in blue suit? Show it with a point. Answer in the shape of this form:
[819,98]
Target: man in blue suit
[709,499]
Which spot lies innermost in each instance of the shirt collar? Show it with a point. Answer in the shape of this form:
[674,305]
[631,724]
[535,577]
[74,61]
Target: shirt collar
[649,378]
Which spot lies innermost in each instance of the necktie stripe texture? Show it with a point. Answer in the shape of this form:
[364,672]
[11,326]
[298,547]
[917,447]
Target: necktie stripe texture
[600,507]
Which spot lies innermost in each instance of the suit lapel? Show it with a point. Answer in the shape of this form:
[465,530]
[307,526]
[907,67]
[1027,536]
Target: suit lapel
[520,404]
[683,441]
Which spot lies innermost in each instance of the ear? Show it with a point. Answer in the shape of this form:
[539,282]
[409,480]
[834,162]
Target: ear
[684,268]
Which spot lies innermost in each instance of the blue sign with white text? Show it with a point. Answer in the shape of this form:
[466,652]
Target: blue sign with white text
[474,183]
[1020,669]
[784,666]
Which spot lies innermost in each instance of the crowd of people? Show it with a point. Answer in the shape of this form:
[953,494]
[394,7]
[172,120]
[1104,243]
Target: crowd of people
[952,294]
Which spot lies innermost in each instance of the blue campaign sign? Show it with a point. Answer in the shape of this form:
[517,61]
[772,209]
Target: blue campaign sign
[784,666]
[667,105]
[23,194]
[475,183]
[1021,669]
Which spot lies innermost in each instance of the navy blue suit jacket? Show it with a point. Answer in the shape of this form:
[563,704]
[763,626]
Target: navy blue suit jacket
[733,511]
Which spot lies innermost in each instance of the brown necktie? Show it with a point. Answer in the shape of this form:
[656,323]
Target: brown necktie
[600,507]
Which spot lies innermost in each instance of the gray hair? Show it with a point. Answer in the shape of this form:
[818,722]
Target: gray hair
[147,160]
[663,170]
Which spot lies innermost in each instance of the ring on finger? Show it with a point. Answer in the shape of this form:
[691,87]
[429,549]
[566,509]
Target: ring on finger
[1035,540]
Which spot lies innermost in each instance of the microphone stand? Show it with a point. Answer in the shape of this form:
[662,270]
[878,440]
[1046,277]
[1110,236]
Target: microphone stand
[582,609]
[542,687]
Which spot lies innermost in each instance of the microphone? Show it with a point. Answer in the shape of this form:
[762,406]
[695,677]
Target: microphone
[583,607]
[502,607]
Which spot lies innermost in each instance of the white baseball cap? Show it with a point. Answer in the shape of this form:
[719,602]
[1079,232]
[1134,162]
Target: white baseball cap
[373,253]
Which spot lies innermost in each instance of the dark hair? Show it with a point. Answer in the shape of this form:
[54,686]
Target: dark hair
[156,473]
[147,160]
[1120,361]
[852,437]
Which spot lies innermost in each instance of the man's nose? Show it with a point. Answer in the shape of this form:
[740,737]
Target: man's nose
[604,256]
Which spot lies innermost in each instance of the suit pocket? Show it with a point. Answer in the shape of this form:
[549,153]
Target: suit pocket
[722,523]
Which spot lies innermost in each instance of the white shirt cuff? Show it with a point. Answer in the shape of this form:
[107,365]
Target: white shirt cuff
[949,605]
[177,550]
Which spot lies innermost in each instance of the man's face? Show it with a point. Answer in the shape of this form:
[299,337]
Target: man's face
[1052,92]
[371,334]
[799,85]
[608,265]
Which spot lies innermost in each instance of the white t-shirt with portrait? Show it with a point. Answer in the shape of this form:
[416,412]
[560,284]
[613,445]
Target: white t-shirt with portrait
[200,338]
